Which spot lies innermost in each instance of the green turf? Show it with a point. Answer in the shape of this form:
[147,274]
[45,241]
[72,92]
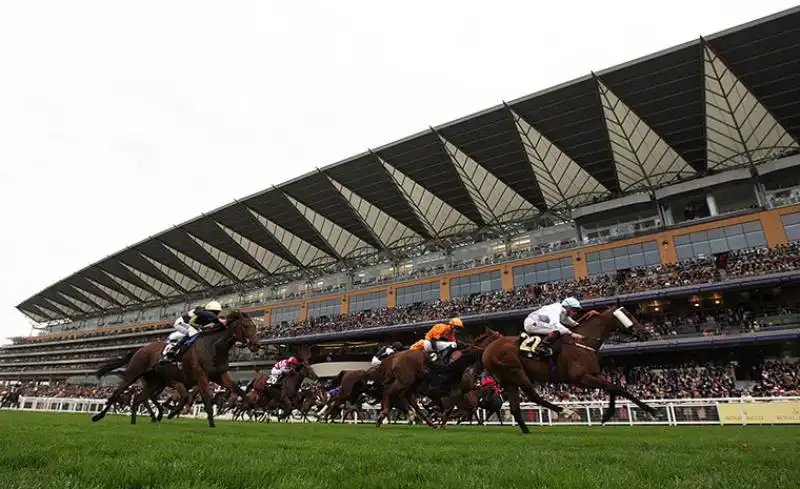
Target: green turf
[67,451]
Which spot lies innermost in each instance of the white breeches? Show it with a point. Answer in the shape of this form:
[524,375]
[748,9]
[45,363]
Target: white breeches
[537,327]
[440,345]
[186,329]
[175,337]
[375,361]
[276,371]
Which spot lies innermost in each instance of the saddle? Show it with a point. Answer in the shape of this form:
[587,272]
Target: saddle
[530,346]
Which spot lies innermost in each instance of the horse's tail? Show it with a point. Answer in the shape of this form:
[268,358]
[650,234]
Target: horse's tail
[336,381]
[114,364]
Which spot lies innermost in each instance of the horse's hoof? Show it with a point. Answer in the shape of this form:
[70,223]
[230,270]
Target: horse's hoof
[96,418]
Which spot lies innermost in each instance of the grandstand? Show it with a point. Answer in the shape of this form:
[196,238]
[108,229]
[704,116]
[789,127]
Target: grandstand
[672,182]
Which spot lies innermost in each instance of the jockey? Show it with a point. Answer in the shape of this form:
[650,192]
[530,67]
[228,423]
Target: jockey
[489,381]
[418,346]
[190,324]
[386,352]
[554,320]
[279,369]
[442,338]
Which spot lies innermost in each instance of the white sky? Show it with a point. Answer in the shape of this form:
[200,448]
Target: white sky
[120,119]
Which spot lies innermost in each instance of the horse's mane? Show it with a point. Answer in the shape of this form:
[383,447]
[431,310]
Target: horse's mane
[234,315]
[456,369]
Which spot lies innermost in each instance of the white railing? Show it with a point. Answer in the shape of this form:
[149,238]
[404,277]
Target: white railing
[669,412]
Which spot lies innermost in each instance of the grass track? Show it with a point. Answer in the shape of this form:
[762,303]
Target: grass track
[42,450]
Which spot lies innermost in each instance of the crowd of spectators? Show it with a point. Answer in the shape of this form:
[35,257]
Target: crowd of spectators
[691,272]
[722,321]
[690,381]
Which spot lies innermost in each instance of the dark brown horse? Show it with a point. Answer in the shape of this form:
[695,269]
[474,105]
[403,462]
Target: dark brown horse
[577,364]
[353,386]
[205,360]
[285,396]
[406,372]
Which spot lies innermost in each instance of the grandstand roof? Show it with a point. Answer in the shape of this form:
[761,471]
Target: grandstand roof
[726,100]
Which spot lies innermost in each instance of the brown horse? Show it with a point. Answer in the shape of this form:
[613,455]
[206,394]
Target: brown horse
[206,360]
[353,386]
[285,396]
[403,373]
[577,364]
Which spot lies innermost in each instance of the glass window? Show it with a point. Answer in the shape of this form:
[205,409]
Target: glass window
[477,283]
[541,272]
[622,257]
[684,252]
[751,226]
[755,239]
[289,314]
[329,308]
[790,219]
[363,302]
[681,240]
[791,225]
[427,292]
[728,238]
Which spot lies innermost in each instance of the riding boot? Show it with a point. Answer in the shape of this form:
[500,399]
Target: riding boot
[545,346]
[445,356]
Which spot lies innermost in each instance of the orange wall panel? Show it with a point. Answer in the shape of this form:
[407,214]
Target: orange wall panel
[773,229]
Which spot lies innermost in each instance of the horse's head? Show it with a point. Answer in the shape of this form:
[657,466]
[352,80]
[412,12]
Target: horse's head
[243,328]
[626,323]
[615,319]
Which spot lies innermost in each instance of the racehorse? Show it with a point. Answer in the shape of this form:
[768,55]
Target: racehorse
[483,397]
[353,386]
[577,363]
[10,400]
[284,396]
[404,372]
[453,395]
[205,360]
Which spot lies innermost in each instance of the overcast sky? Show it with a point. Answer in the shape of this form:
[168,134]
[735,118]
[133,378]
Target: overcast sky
[120,119]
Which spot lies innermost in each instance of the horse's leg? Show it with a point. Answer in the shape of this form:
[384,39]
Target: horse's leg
[205,393]
[386,402]
[595,381]
[609,412]
[147,390]
[513,402]
[526,385]
[412,401]
[186,399]
[127,381]
[233,387]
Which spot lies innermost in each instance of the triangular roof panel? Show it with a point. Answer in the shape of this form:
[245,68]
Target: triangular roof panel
[305,252]
[497,202]
[213,277]
[740,130]
[388,230]
[642,158]
[440,218]
[563,183]
[271,262]
[345,243]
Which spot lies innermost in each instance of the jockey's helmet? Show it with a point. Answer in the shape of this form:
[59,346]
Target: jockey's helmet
[214,306]
[397,345]
[292,360]
[571,302]
[456,322]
